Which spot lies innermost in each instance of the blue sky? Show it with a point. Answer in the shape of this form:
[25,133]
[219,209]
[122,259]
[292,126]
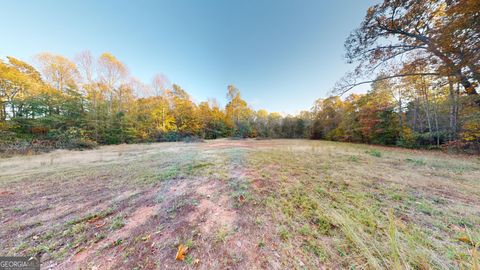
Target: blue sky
[282,55]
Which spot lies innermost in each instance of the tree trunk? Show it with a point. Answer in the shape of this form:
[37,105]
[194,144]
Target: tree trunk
[453,110]
[13,109]
[95,113]
[400,116]
[415,114]
[427,111]
[469,87]
[3,112]
[436,120]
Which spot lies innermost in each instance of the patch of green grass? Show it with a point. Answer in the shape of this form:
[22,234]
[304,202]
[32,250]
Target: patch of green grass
[189,259]
[454,166]
[416,162]
[61,253]
[305,230]
[396,197]
[374,153]
[425,208]
[117,222]
[153,176]
[75,229]
[344,216]
[353,158]
[283,233]
[22,246]
[117,242]
[189,243]
[464,222]
[317,249]
[259,221]
[99,237]
[222,234]
[196,168]
[169,173]
[176,206]
[261,244]
[49,235]
[240,191]
[101,214]
[80,239]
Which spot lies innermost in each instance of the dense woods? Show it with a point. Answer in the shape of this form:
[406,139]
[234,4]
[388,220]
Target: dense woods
[424,57]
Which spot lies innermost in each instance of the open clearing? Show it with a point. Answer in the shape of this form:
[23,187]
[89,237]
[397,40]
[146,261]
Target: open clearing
[242,204]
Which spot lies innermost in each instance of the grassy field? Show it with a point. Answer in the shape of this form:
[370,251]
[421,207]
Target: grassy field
[243,204]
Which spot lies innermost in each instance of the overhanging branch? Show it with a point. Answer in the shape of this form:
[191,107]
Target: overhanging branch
[344,89]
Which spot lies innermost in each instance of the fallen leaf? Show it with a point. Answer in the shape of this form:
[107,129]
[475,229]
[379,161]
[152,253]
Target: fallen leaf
[5,193]
[465,239]
[182,250]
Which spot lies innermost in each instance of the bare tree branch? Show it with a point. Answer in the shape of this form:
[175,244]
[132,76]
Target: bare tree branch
[342,89]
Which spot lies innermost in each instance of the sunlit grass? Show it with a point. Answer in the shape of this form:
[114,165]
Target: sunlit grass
[332,203]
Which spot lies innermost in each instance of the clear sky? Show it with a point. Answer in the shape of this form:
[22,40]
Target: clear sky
[282,55]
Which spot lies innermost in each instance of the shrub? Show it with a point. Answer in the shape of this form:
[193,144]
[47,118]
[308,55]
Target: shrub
[192,139]
[463,147]
[174,136]
[73,138]
[25,147]
[407,138]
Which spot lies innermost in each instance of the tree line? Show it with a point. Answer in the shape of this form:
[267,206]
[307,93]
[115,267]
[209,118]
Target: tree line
[414,112]
[421,58]
[94,100]
[88,101]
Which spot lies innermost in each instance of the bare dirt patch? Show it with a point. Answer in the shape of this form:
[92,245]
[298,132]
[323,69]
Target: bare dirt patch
[105,261]
[213,210]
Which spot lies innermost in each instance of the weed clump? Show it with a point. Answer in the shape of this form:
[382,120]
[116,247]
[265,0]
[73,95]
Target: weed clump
[416,162]
[374,153]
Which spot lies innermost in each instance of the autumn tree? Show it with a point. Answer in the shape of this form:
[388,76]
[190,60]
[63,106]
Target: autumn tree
[261,124]
[274,126]
[440,34]
[349,129]
[377,118]
[160,84]
[58,71]
[17,78]
[238,113]
[111,74]
[327,115]
[184,111]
